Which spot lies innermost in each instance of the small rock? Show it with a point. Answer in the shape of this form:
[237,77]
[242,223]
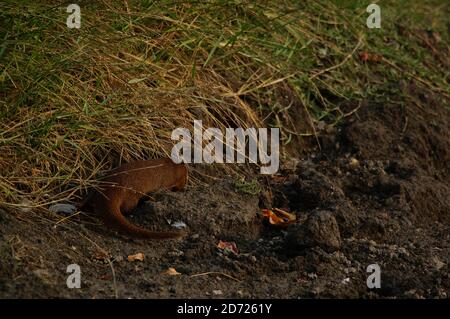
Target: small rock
[195,236]
[372,243]
[175,253]
[178,224]
[372,249]
[62,209]
[352,270]
[312,276]
[217,292]
[354,162]
[437,263]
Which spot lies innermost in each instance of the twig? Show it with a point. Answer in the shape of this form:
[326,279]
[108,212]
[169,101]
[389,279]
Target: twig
[405,126]
[337,65]
[116,295]
[215,273]
[65,218]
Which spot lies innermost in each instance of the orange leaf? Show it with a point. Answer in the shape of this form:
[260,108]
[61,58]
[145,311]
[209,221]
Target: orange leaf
[369,57]
[364,56]
[279,217]
[171,272]
[136,257]
[228,247]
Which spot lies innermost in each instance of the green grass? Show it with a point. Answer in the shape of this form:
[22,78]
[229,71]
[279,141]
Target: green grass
[248,187]
[73,102]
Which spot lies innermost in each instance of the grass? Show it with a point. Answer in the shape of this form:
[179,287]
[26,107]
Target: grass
[248,187]
[75,102]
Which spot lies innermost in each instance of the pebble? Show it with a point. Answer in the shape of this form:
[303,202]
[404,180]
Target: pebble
[175,253]
[217,292]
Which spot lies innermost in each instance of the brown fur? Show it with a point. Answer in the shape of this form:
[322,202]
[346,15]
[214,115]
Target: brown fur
[124,186]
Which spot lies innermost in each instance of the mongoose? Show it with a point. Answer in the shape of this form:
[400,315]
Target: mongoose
[123,187]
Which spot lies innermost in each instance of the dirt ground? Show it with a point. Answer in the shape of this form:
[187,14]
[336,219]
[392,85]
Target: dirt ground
[376,191]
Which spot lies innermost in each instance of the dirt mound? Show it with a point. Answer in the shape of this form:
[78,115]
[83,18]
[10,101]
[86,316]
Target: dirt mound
[320,229]
[237,217]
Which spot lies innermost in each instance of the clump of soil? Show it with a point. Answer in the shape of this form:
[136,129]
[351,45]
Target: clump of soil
[319,230]
[376,192]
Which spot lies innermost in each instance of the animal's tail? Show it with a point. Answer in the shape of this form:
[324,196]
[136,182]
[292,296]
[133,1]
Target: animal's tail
[116,220]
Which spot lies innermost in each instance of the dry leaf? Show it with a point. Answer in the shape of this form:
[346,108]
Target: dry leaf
[101,255]
[369,57]
[171,272]
[228,247]
[278,179]
[364,56]
[279,217]
[136,257]
[105,277]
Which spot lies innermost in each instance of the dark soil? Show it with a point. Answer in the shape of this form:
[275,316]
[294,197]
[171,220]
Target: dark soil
[377,191]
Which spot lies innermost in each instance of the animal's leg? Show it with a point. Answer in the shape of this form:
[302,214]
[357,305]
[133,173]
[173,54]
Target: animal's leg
[129,203]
